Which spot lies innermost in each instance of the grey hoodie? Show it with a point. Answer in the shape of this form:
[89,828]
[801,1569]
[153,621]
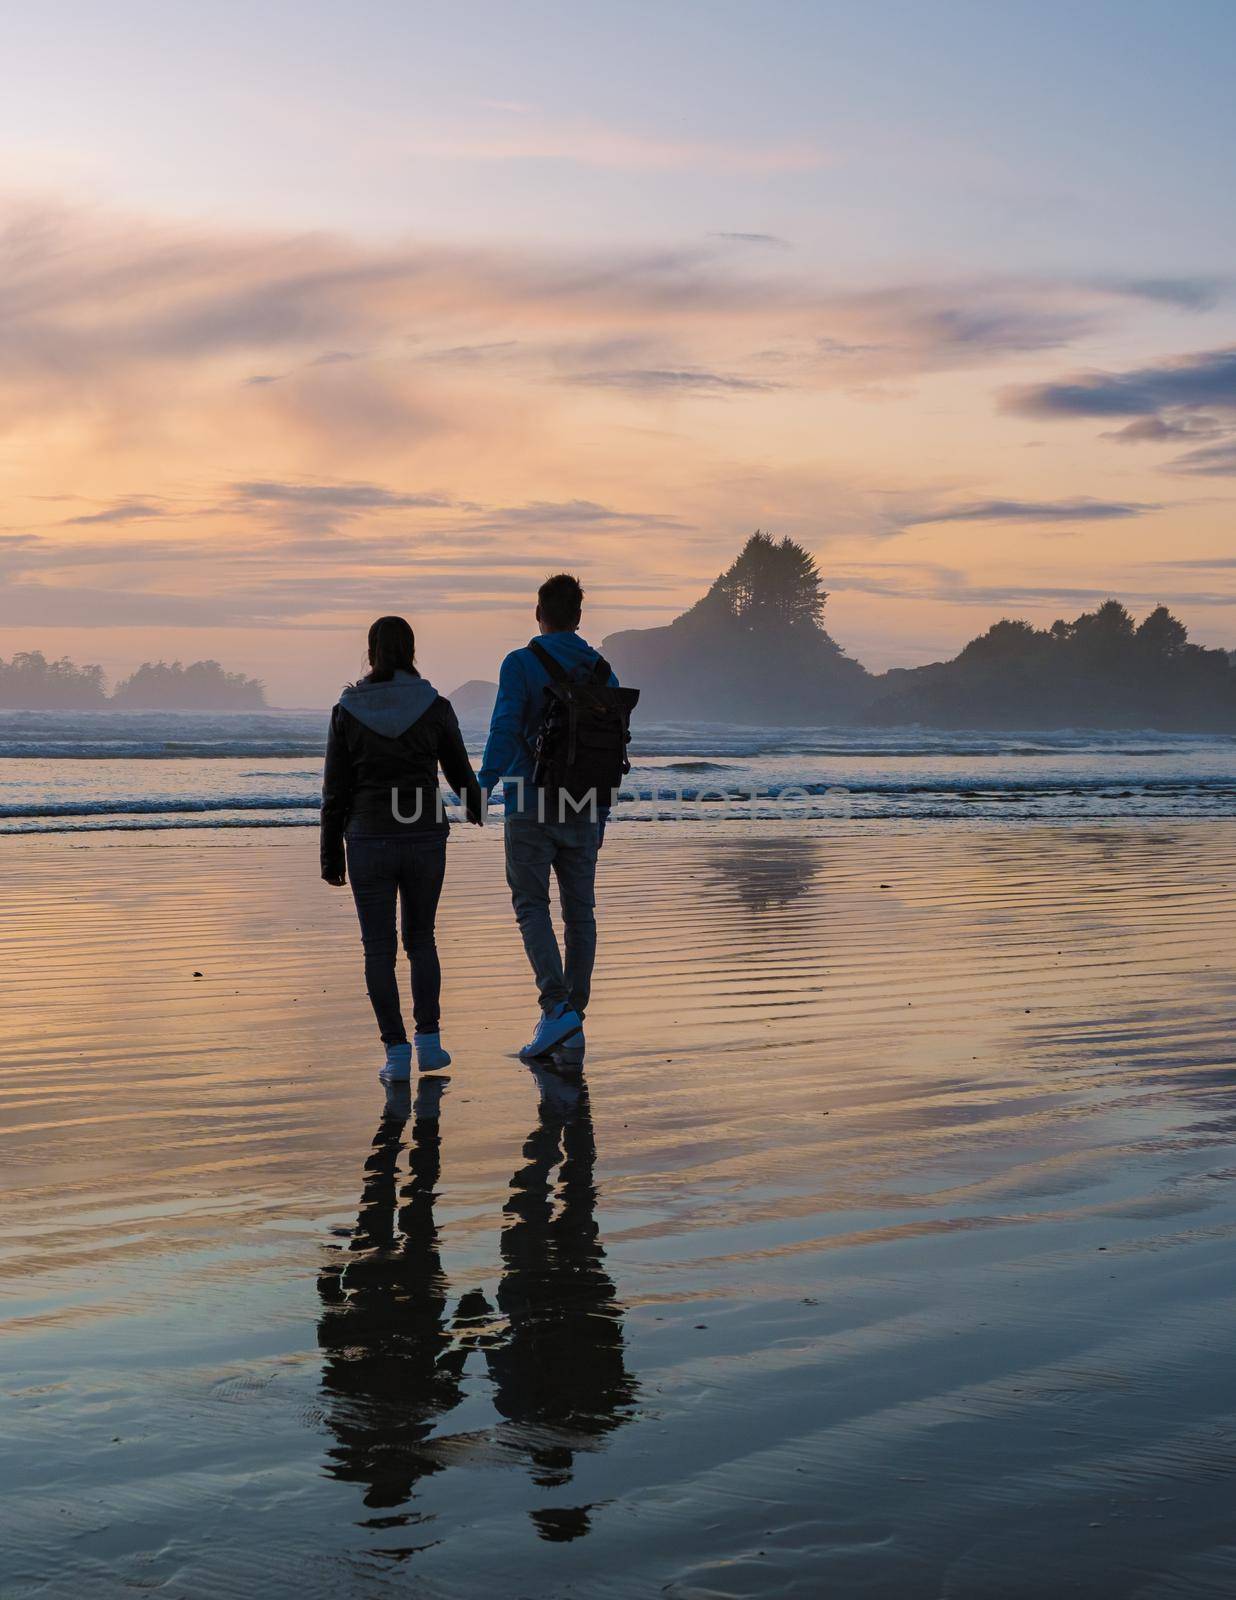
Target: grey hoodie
[392,707]
[386,740]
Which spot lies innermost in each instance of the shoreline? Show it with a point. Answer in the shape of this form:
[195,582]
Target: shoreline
[750,826]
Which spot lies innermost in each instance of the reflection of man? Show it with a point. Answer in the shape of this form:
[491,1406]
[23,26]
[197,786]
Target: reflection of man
[559,1373]
[392,1365]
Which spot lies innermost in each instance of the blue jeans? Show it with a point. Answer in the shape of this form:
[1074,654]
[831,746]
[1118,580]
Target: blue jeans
[409,868]
[568,850]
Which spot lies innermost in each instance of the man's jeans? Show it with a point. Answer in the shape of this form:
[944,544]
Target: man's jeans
[569,849]
[413,869]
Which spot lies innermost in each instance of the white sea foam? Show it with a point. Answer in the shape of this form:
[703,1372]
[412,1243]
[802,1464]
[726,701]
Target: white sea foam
[89,770]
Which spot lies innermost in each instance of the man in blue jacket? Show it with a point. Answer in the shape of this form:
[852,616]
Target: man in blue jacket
[537,843]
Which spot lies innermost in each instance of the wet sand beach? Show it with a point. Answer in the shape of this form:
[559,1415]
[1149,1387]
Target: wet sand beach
[886,1251]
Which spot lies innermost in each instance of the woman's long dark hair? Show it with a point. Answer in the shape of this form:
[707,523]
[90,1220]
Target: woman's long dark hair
[392,649]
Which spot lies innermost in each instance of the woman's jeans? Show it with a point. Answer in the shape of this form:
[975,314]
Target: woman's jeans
[412,867]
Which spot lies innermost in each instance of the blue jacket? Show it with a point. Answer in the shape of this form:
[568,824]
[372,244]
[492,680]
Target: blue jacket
[517,715]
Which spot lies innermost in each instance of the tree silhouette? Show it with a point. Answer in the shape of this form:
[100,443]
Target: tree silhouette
[753,650]
[1162,636]
[30,680]
[1097,670]
[1005,641]
[1103,638]
[201,686]
[772,584]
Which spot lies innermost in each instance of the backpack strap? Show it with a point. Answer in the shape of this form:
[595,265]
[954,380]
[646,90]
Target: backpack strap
[601,672]
[557,672]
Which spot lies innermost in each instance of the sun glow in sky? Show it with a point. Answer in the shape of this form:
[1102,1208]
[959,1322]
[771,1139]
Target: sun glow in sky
[311,312]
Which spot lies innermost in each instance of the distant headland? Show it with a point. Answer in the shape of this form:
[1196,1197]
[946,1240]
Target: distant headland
[474,701]
[29,681]
[754,650]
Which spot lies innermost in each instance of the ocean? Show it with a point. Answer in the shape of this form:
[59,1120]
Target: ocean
[79,771]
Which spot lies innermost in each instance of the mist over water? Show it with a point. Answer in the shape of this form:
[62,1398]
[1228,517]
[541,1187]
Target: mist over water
[80,770]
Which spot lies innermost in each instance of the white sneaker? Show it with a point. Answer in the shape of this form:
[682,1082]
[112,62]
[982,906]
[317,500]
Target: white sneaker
[398,1068]
[559,1026]
[430,1056]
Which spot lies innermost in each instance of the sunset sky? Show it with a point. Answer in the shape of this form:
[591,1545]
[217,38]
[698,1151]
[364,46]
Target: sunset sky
[310,312]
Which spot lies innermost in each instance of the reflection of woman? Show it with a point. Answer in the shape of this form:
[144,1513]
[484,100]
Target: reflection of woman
[559,1372]
[392,1365]
[388,735]
[393,1358]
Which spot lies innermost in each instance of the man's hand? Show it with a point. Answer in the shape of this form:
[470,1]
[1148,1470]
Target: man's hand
[334,875]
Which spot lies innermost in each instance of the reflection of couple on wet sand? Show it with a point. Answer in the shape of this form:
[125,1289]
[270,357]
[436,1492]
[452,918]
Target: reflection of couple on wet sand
[558,746]
[395,1352]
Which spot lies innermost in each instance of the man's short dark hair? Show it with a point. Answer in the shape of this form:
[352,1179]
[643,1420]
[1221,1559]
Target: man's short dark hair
[561,600]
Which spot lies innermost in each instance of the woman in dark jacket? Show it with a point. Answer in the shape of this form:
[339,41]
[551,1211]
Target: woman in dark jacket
[388,735]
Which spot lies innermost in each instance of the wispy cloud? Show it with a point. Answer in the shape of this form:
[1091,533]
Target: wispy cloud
[1184,398]
[1007,327]
[1156,430]
[123,511]
[841,350]
[576,514]
[647,380]
[909,581]
[471,355]
[1211,461]
[1204,380]
[1185,293]
[1196,564]
[753,238]
[1082,509]
[335,496]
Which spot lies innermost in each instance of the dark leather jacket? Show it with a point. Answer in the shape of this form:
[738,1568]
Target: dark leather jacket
[386,782]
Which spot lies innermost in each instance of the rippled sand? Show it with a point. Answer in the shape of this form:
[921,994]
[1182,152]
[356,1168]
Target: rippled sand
[889,1251]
